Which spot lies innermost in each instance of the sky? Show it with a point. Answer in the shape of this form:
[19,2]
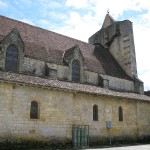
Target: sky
[80,19]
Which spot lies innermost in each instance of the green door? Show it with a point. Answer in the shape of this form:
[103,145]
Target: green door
[80,136]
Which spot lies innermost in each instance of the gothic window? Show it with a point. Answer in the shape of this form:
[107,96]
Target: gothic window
[34,110]
[95,113]
[120,112]
[11,61]
[75,71]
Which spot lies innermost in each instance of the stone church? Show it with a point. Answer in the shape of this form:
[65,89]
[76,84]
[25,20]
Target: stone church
[54,87]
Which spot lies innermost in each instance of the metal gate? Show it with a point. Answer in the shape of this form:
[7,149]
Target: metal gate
[80,136]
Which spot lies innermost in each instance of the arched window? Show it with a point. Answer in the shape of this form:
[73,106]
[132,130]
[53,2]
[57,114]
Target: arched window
[11,61]
[34,110]
[75,71]
[95,113]
[120,112]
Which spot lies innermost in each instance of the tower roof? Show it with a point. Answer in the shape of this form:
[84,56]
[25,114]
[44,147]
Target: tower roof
[108,20]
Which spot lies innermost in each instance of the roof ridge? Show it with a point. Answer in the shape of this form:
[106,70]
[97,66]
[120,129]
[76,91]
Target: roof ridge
[34,26]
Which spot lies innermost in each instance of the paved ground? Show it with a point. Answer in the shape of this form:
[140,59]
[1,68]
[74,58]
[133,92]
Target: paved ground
[138,147]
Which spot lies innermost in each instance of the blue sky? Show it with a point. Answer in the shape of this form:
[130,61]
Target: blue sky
[81,18]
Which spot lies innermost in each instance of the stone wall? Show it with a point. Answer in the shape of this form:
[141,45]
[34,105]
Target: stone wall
[118,38]
[91,77]
[143,111]
[60,72]
[33,66]
[15,101]
[83,114]
[119,84]
[59,110]
[123,50]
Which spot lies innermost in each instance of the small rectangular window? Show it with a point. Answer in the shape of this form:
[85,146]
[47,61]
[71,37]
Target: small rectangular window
[34,110]
[95,113]
[120,112]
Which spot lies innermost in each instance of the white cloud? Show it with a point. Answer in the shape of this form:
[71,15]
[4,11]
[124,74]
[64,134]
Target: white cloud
[87,17]
[21,3]
[77,3]
[81,27]
[116,7]
[82,24]
[43,22]
[27,21]
[26,1]
[141,37]
[145,78]
[50,4]
[58,16]
[54,4]
[3,4]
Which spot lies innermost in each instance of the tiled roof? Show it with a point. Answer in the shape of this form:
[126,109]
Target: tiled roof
[66,86]
[108,63]
[50,46]
[40,52]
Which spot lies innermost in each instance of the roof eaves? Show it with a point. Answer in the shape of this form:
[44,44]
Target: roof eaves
[67,86]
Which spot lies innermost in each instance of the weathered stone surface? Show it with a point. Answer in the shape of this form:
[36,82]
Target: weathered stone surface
[118,38]
[53,58]
[107,79]
[91,77]
[59,110]
[119,84]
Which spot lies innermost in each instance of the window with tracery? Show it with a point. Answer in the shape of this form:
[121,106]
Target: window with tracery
[11,61]
[75,71]
[95,113]
[34,110]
